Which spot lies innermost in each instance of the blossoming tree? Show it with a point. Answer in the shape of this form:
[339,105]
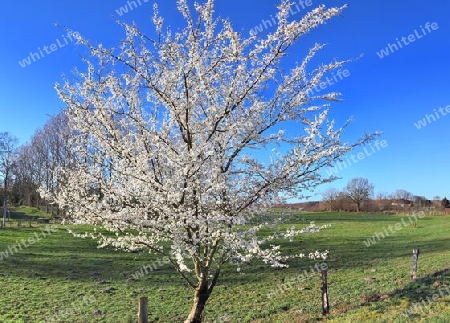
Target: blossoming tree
[167,132]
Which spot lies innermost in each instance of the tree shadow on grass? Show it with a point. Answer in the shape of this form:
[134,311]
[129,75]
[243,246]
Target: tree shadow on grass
[22,216]
[59,255]
[419,293]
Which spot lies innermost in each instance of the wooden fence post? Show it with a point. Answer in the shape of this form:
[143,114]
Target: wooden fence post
[324,288]
[143,310]
[414,264]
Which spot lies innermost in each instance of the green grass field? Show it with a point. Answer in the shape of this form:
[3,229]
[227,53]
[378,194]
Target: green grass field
[30,211]
[59,278]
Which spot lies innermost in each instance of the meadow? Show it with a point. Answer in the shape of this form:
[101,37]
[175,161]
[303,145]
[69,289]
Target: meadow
[56,277]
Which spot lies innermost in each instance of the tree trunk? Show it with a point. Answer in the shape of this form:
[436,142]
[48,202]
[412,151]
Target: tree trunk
[5,199]
[5,207]
[201,295]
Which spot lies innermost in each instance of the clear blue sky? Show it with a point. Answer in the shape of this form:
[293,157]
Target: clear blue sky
[389,94]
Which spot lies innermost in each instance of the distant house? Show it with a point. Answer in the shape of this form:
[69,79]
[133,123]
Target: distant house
[402,203]
[446,210]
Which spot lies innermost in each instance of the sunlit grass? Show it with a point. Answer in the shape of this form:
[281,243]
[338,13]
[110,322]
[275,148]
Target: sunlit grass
[28,210]
[366,284]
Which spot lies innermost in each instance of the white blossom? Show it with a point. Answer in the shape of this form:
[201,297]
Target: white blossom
[167,132]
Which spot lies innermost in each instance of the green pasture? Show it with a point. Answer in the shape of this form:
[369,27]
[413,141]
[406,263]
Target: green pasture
[55,277]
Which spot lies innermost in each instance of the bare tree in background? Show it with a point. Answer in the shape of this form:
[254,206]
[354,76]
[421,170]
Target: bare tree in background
[7,145]
[330,196]
[359,190]
[36,161]
[445,202]
[25,186]
[401,194]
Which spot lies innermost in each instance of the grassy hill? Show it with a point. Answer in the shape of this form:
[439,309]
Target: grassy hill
[30,211]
